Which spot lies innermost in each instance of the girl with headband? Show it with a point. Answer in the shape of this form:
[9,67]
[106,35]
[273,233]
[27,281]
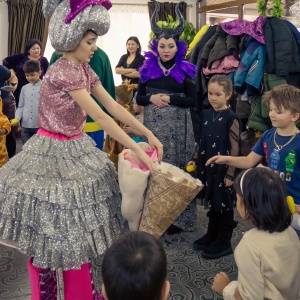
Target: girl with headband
[268,256]
[59,200]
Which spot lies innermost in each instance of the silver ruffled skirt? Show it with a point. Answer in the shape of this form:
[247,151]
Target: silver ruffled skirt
[60,202]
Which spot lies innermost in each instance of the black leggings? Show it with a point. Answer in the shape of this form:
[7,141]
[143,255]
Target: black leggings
[11,144]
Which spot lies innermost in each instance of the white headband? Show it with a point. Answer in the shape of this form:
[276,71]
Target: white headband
[242,180]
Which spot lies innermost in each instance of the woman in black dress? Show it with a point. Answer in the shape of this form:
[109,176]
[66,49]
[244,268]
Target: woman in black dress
[167,91]
[129,63]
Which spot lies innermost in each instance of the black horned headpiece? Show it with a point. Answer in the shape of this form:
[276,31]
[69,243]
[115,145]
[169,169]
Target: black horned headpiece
[167,33]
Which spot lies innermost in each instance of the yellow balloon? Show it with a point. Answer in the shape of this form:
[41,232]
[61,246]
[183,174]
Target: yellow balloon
[14,121]
[190,168]
[291,204]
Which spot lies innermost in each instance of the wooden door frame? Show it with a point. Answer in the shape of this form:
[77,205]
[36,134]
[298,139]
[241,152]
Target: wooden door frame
[236,3]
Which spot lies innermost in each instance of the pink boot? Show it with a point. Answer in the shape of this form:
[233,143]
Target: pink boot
[78,285]
[43,282]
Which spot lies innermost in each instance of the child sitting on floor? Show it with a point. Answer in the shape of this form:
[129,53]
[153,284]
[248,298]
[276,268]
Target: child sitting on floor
[268,256]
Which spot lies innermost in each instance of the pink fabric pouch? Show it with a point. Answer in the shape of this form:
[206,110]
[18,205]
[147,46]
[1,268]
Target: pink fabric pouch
[135,163]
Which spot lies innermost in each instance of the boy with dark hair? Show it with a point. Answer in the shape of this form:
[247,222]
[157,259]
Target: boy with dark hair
[27,111]
[135,268]
[279,146]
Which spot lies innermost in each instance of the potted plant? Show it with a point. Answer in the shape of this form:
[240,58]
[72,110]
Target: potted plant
[275,10]
[187,35]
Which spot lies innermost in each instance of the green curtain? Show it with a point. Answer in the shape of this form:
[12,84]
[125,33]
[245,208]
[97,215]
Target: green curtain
[26,21]
[167,8]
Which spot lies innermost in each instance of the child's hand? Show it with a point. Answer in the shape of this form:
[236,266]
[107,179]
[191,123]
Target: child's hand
[191,166]
[14,122]
[128,129]
[297,207]
[2,131]
[221,280]
[228,182]
[217,159]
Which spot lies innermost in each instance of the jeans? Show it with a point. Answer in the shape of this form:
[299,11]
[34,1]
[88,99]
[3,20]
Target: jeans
[27,133]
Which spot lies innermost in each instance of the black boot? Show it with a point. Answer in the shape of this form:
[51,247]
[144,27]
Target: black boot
[173,229]
[211,234]
[222,245]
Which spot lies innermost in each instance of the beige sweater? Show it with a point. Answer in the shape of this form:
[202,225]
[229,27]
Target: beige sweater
[268,266]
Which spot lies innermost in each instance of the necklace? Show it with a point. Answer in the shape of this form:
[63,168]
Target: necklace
[165,71]
[279,147]
[214,118]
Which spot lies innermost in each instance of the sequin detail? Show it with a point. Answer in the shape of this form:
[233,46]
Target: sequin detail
[66,37]
[58,112]
[60,202]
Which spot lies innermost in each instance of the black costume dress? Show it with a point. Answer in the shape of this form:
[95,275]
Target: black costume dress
[220,133]
[172,125]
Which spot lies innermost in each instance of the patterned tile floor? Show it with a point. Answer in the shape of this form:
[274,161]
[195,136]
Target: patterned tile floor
[189,274]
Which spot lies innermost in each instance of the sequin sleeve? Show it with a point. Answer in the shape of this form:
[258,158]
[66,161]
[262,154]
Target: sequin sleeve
[75,77]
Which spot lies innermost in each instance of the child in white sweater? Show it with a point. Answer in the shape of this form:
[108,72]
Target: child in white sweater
[268,256]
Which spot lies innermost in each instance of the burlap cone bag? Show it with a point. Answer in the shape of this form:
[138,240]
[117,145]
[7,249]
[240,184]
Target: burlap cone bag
[170,190]
[133,180]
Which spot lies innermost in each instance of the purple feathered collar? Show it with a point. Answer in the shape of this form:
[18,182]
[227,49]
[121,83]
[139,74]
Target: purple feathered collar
[151,70]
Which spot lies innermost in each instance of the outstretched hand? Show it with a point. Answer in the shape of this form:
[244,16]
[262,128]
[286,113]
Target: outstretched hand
[217,159]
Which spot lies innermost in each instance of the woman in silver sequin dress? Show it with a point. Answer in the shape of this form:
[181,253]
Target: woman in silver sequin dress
[59,200]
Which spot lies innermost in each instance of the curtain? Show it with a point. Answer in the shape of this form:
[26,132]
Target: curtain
[26,21]
[167,8]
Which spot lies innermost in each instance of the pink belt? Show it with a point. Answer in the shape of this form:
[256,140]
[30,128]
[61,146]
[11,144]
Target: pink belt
[58,136]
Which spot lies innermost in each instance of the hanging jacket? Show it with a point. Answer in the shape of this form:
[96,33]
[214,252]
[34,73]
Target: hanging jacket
[251,67]
[282,51]
[220,44]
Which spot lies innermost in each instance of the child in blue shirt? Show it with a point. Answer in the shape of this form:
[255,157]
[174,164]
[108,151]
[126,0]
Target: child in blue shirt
[27,111]
[279,146]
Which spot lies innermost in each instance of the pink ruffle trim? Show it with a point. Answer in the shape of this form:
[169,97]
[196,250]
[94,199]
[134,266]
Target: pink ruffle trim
[57,136]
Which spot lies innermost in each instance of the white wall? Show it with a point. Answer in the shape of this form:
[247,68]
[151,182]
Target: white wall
[114,51]
[3,30]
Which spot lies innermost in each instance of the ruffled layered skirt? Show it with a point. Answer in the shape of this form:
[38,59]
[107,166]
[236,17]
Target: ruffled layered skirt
[172,125]
[60,202]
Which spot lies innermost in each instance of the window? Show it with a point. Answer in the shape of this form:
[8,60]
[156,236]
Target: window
[126,21]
